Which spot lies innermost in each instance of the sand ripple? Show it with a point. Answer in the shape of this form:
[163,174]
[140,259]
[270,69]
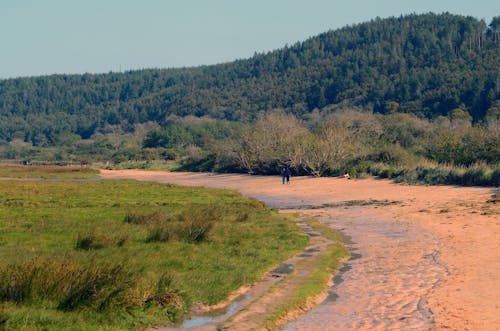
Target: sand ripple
[385,285]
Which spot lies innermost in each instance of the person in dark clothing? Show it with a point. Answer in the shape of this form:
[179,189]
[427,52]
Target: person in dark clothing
[283,175]
[288,173]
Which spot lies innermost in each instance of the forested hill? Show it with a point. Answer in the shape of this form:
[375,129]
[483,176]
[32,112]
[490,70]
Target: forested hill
[423,64]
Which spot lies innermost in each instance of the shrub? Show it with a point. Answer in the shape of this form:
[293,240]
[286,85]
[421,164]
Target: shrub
[479,174]
[392,154]
[495,177]
[433,175]
[407,176]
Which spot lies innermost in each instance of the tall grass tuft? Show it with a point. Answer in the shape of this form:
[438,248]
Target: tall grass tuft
[91,240]
[192,226]
[166,296]
[98,285]
[69,286]
[195,224]
[136,217]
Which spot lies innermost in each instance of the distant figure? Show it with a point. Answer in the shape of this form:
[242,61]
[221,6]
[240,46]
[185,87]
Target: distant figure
[347,176]
[288,173]
[283,175]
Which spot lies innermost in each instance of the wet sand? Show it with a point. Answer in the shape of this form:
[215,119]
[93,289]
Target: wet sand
[426,258]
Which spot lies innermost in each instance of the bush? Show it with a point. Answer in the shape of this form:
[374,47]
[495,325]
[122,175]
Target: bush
[477,175]
[392,154]
[495,178]
[433,175]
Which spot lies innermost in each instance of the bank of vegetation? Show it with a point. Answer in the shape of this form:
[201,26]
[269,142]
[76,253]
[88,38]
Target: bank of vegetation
[446,150]
[423,89]
[118,255]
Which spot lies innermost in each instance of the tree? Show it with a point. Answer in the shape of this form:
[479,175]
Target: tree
[271,143]
[328,148]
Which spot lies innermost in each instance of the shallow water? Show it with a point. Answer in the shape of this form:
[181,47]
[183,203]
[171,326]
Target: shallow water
[384,284]
[204,320]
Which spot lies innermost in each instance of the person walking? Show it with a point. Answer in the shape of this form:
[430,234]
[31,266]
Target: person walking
[283,175]
[288,173]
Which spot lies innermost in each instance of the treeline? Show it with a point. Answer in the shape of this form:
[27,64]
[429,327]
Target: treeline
[427,65]
[445,150]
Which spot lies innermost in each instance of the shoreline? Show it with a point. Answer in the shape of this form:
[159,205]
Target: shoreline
[464,225]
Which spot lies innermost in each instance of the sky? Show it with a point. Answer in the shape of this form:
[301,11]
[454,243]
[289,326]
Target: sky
[41,37]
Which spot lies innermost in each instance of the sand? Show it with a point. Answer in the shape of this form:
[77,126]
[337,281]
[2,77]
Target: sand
[425,257]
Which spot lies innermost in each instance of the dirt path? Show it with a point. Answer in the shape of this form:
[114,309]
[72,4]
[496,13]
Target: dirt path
[426,258]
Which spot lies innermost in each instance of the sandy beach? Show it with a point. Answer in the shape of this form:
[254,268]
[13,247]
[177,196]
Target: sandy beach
[425,257]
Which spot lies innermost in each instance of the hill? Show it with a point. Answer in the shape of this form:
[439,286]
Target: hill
[426,65]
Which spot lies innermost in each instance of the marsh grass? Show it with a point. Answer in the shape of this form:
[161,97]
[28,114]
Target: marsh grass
[75,253]
[23,171]
[428,172]
[67,285]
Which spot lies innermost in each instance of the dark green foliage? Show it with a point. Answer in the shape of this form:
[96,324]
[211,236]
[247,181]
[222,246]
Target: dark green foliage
[433,77]
[422,64]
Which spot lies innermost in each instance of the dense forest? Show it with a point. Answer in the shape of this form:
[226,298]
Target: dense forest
[432,68]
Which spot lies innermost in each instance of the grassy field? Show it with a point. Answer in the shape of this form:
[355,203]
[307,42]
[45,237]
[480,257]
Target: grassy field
[20,171]
[126,254]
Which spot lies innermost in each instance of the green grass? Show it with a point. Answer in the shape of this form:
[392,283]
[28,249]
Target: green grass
[64,172]
[76,255]
[321,269]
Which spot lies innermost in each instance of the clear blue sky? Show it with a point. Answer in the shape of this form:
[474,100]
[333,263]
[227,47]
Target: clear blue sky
[75,36]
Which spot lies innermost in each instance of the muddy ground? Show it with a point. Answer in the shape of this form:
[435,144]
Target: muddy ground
[423,257]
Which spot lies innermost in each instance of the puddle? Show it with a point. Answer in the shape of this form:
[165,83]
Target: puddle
[197,321]
[305,255]
[338,277]
[284,269]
